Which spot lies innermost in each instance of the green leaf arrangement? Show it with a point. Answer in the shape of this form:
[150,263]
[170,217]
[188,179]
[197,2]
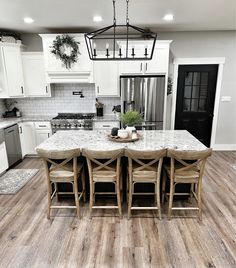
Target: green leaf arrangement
[131,118]
[57,49]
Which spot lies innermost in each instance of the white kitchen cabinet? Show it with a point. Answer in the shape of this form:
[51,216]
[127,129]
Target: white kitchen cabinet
[157,65]
[11,56]
[56,71]
[42,135]
[42,131]
[27,138]
[160,61]
[106,78]
[34,75]
[106,125]
[3,78]
[3,158]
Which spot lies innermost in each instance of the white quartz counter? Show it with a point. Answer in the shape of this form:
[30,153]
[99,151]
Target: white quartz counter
[97,140]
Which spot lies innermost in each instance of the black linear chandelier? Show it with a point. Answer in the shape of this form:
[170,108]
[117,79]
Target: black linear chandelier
[121,42]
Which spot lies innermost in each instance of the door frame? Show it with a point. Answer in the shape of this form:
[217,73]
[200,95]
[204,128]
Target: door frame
[199,61]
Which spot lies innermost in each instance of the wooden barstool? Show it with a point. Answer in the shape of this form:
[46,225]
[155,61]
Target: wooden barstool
[104,167]
[186,167]
[59,170]
[144,167]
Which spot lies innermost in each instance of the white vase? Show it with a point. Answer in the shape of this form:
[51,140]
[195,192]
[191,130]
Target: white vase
[129,130]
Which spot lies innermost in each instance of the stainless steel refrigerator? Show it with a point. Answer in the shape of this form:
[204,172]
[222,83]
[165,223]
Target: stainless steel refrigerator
[144,94]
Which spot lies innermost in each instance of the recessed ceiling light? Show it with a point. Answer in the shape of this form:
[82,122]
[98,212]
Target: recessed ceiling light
[97,18]
[168,17]
[28,20]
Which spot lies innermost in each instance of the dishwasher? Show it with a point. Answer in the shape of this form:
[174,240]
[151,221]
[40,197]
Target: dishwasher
[12,140]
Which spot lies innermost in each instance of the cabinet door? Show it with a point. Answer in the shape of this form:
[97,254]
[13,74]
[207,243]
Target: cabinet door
[3,78]
[159,63]
[106,78]
[42,135]
[14,73]
[27,138]
[3,157]
[34,75]
[131,67]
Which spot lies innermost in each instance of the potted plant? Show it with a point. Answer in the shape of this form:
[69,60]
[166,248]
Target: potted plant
[130,119]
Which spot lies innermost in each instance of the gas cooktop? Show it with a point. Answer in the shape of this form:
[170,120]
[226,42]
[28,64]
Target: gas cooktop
[74,116]
[76,121]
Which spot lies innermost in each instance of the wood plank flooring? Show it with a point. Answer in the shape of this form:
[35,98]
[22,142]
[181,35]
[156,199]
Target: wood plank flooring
[28,239]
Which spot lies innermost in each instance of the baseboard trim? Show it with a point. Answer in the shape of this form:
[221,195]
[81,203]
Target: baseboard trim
[224,147]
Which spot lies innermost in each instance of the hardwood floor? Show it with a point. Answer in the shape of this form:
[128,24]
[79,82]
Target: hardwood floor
[28,239]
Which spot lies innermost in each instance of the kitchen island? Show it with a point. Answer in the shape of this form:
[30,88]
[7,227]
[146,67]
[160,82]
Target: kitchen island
[98,140]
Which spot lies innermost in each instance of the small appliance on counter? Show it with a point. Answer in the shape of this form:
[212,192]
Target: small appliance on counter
[13,113]
[99,106]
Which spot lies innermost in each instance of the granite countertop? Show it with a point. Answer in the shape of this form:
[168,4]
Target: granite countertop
[7,122]
[98,140]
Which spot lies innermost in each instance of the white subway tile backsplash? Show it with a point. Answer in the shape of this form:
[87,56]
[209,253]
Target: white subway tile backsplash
[62,101]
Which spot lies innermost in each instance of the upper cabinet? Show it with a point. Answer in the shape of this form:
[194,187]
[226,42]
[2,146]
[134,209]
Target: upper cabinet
[11,73]
[34,75]
[157,65]
[106,78]
[80,71]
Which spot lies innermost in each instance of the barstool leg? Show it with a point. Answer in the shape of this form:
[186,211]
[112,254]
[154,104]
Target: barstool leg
[157,186]
[83,185]
[199,201]
[163,188]
[91,199]
[130,198]
[49,199]
[171,199]
[118,198]
[56,188]
[75,186]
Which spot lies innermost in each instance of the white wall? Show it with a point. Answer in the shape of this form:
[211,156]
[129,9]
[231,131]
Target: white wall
[213,44]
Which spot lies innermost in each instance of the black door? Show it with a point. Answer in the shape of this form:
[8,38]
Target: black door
[195,100]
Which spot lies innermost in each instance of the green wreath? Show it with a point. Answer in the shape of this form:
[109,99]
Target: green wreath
[66,49]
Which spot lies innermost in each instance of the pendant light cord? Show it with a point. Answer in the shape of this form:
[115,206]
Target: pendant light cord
[127,12]
[114,12]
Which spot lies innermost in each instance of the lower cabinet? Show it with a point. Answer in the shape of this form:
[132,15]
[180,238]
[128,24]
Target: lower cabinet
[42,135]
[27,138]
[3,157]
[32,134]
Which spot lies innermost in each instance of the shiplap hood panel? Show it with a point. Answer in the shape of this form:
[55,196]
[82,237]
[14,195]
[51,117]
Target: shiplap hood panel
[56,72]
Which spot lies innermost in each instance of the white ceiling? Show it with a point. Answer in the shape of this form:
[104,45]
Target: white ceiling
[59,15]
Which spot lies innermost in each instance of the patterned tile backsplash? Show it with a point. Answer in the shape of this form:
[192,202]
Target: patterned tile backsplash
[62,101]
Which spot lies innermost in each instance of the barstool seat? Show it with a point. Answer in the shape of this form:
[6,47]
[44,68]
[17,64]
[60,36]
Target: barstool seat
[60,170]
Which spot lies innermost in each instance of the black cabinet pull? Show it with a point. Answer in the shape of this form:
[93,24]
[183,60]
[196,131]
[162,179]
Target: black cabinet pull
[42,126]
[21,130]
[46,89]
[22,90]
[48,135]
[10,131]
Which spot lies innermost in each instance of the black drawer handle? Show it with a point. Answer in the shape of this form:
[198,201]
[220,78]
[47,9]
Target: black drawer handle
[42,126]
[10,131]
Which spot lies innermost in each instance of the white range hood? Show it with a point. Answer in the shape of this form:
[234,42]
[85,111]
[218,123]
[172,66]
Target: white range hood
[56,72]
